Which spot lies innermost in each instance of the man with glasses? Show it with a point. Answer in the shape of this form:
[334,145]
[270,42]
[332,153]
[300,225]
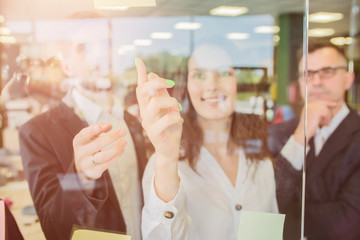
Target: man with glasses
[332,195]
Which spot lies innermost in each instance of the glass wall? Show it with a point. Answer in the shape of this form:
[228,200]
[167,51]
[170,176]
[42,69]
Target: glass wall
[185,115]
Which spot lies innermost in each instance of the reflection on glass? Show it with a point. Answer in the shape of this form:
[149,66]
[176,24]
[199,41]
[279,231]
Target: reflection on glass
[224,167]
[50,60]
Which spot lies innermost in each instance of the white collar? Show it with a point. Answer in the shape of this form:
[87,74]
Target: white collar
[326,131]
[89,110]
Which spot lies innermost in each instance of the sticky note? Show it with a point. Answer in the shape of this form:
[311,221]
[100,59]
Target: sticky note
[260,226]
[2,219]
[84,234]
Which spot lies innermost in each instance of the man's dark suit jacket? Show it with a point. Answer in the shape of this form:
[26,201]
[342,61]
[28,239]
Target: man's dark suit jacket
[47,155]
[12,231]
[332,205]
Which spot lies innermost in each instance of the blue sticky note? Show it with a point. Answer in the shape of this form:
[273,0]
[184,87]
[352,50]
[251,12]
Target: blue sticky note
[260,226]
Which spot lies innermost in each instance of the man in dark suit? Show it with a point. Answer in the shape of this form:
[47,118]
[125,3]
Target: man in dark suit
[84,159]
[332,196]
[8,225]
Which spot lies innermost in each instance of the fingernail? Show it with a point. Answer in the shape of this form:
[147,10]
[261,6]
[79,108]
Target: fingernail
[180,107]
[149,74]
[151,93]
[170,82]
[122,132]
[182,120]
[96,128]
[136,62]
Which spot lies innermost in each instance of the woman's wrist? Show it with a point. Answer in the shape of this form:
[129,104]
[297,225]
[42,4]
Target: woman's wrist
[167,180]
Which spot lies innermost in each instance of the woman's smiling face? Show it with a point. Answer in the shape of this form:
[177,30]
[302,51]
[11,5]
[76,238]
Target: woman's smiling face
[211,82]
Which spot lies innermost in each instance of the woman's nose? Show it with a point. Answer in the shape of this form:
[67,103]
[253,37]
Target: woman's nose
[212,78]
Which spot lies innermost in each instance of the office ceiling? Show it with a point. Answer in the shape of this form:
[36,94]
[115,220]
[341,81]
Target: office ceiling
[60,9]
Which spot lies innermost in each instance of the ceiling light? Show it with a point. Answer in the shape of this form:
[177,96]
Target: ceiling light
[7,39]
[276,38]
[161,35]
[348,40]
[267,29]
[187,25]
[237,36]
[142,42]
[325,17]
[122,4]
[321,32]
[128,47]
[341,41]
[5,31]
[228,11]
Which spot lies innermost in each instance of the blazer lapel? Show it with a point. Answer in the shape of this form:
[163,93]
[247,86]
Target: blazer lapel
[68,124]
[137,137]
[70,121]
[337,141]
[310,157]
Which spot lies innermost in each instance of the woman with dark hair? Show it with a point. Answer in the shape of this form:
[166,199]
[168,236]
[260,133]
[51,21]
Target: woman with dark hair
[211,164]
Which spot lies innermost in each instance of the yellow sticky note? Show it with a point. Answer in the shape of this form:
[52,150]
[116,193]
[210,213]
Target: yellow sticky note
[260,226]
[84,234]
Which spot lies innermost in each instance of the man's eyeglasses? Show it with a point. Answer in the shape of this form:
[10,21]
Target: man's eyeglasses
[325,72]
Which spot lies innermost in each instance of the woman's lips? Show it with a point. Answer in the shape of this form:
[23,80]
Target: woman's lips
[214,100]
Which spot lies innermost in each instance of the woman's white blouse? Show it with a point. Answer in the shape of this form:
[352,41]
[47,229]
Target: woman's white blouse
[207,206]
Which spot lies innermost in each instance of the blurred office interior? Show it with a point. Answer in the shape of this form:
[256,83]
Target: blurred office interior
[266,34]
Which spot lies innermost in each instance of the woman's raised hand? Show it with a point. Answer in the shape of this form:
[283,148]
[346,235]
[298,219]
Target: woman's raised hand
[160,113]
[162,121]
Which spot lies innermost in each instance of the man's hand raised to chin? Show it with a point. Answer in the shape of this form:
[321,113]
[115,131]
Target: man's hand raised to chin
[319,113]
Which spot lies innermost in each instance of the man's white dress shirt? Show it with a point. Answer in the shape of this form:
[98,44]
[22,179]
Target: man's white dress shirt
[294,151]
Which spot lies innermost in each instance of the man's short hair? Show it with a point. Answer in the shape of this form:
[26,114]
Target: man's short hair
[314,46]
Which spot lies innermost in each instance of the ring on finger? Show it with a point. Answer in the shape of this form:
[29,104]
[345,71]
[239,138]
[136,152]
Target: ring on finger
[93,160]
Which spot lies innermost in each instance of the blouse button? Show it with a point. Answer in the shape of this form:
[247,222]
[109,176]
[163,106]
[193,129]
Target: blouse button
[169,214]
[238,207]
